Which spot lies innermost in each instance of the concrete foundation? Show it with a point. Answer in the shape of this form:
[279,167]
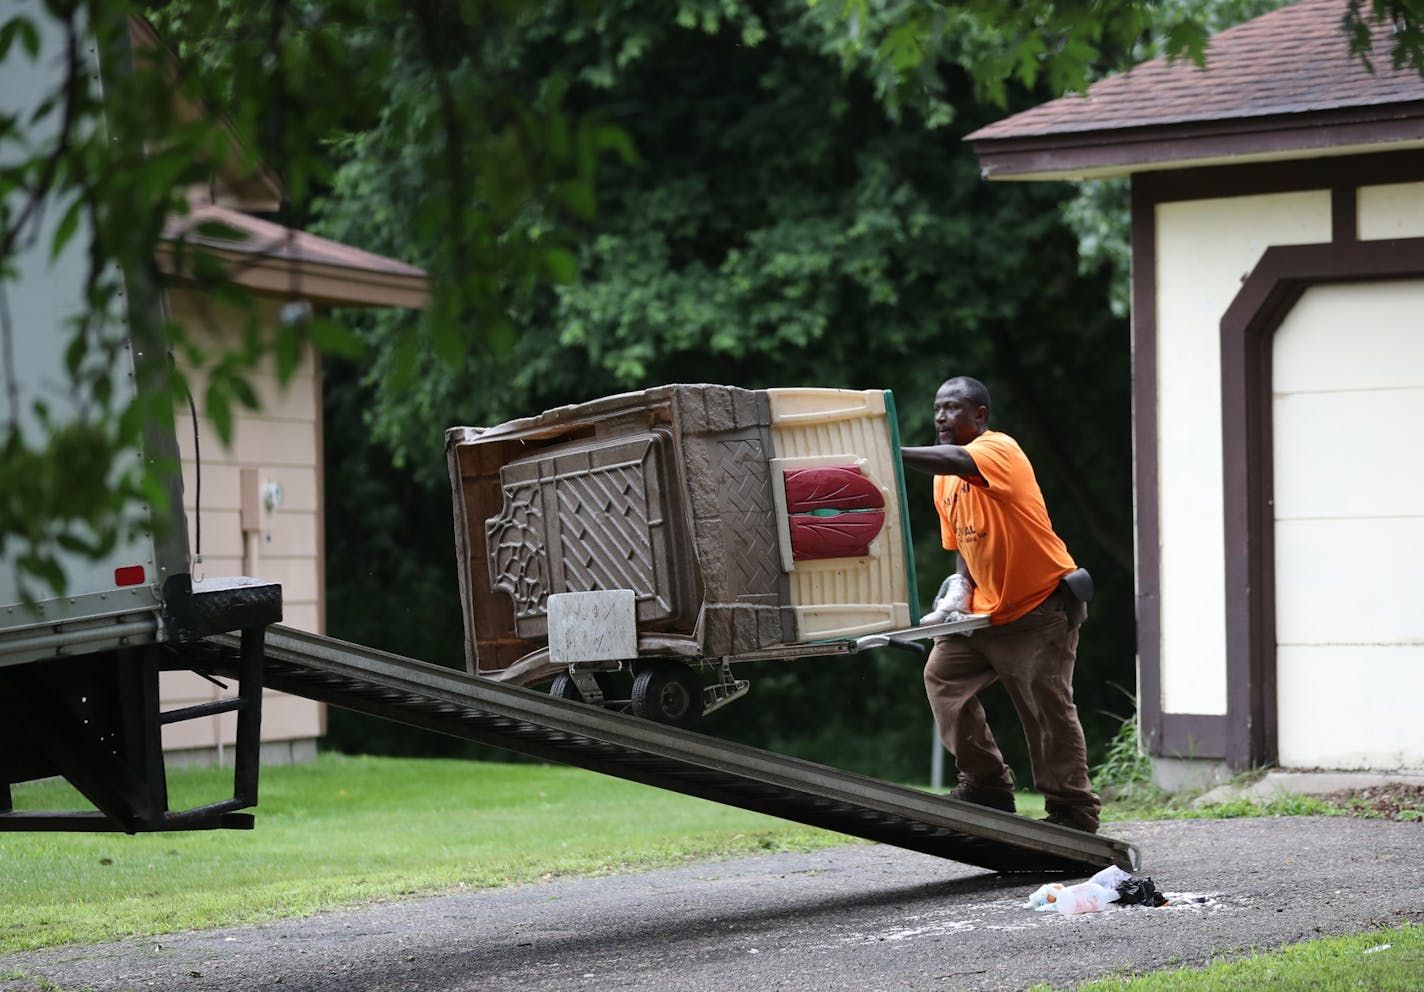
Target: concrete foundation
[297,752]
[1279,784]
[1189,774]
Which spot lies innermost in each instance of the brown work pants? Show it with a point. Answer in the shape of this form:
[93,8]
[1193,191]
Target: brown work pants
[1033,656]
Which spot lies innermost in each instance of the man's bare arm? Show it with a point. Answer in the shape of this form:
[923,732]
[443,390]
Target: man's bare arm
[941,459]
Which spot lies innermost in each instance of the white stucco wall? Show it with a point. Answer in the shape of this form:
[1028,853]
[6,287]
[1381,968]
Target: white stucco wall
[1348,398]
[1205,248]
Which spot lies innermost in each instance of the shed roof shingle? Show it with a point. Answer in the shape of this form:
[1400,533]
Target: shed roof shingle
[1292,60]
[1281,67]
[272,258]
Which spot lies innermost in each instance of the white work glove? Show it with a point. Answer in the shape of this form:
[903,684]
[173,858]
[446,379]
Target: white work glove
[952,601]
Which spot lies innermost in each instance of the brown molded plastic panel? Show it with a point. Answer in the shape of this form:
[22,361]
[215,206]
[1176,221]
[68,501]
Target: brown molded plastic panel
[665,491]
[679,494]
[587,516]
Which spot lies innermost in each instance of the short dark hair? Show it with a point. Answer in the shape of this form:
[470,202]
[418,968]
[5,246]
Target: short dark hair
[974,391]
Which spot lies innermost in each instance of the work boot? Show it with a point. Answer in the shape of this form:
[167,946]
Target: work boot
[1077,819]
[993,798]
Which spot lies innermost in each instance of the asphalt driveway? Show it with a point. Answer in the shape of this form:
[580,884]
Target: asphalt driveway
[859,917]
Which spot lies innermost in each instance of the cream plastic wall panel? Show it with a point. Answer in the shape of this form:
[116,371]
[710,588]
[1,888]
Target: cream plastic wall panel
[1204,250]
[1393,211]
[845,597]
[1349,632]
[790,406]
[852,620]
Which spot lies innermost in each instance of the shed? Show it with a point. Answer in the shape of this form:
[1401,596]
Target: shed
[1278,378]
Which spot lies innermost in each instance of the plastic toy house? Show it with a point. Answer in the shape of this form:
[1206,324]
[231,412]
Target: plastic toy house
[679,527]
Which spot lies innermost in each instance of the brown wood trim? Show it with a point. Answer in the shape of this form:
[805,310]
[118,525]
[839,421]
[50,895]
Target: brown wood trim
[1345,213]
[1145,494]
[1192,735]
[1274,286]
[319,386]
[320,282]
[1283,177]
[1119,150]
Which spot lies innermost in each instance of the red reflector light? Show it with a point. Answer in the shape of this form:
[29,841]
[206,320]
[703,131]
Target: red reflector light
[129,575]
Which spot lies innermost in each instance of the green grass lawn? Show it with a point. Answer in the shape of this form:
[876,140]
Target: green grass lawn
[1383,961]
[346,830]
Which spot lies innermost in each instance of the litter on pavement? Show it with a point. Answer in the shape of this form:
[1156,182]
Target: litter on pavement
[1110,885]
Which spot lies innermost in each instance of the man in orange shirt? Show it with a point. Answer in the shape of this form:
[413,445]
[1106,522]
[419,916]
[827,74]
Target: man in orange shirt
[992,512]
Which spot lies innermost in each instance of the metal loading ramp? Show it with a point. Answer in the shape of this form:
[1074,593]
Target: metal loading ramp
[460,705]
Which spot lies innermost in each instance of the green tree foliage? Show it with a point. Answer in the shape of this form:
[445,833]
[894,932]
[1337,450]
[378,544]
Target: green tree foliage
[1066,45]
[256,90]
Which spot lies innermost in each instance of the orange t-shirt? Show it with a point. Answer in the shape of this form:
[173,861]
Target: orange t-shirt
[1001,527]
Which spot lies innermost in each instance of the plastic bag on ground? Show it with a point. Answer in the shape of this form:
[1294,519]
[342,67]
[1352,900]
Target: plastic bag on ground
[1044,894]
[1085,897]
[1111,877]
[1111,884]
[1140,892]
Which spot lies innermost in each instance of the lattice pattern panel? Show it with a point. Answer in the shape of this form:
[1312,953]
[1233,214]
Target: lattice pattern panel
[586,516]
[604,528]
[744,495]
[517,551]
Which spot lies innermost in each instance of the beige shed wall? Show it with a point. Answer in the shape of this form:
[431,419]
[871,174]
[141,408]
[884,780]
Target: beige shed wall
[1205,248]
[274,449]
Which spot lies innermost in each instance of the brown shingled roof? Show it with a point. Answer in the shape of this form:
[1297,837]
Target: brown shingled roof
[1287,74]
[270,258]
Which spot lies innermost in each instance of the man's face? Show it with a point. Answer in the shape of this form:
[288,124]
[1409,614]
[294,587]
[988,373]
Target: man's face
[956,421]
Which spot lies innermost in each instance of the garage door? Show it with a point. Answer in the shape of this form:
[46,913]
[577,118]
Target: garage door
[1349,527]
